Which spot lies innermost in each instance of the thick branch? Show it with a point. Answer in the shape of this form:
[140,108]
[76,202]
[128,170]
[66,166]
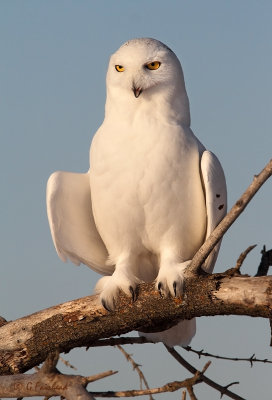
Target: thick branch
[48,384]
[26,342]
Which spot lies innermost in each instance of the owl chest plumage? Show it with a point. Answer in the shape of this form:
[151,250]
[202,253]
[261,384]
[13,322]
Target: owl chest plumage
[143,178]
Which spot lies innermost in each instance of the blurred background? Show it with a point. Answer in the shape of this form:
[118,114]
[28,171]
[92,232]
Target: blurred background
[53,61]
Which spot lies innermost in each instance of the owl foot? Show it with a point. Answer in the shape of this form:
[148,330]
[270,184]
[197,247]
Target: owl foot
[109,288]
[170,279]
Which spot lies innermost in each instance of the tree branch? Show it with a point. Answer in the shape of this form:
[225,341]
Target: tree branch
[141,340]
[48,381]
[229,219]
[169,387]
[26,342]
[222,389]
[252,359]
[136,367]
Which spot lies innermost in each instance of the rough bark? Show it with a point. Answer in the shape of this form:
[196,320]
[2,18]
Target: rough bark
[48,382]
[37,384]
[26,342]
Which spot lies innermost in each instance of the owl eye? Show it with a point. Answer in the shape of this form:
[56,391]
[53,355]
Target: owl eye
[153,65]
[119,68]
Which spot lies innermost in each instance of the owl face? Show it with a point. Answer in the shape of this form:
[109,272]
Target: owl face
[141,66]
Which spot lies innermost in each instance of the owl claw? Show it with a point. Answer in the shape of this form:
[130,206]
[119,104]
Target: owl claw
[175,288]
[170,279]
[133,294]
[104,304]
[160,288]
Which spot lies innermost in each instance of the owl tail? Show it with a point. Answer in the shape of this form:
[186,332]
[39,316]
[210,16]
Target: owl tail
[179,335]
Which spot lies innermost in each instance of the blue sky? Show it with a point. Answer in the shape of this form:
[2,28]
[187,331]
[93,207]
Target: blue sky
[53,62]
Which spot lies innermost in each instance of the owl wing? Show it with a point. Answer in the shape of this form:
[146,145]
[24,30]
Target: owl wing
[216,199]
[74,233]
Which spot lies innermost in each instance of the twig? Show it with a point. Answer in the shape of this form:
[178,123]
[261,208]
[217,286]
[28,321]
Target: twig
[136,368]
[192,395]
[222,389]
[99,376]
[141,340]
[183,397]
[251,359]
[197,378]
[65,362]
[236,270]
[169,387]
[241,259]
[229,219]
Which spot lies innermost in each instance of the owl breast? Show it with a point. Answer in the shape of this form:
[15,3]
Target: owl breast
[146,190]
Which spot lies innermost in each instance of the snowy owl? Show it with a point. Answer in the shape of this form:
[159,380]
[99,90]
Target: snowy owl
[153,194]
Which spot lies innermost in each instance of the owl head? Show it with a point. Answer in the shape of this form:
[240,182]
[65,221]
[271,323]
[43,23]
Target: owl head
[146,70]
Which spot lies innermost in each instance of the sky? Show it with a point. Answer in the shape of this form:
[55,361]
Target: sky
[53,61]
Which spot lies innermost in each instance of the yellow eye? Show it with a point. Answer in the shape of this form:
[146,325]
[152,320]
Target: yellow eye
[119,68]
[153,65]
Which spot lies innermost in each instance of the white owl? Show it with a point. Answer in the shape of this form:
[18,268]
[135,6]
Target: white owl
[153,194]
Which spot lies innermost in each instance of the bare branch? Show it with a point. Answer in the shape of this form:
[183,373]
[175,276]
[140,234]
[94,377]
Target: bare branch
[169,387]
[65,362]
[48,384]
[27,341]
[99,376]
[192,395]
[208,381]
[229,219]
[136,368]
[241,259]
[251,359]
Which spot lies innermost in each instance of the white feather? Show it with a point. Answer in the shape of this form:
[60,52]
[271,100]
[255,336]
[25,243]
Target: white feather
[74,233]
[150,197]
[216,199]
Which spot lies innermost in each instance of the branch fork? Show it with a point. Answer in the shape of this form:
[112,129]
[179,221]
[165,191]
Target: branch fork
[48,382]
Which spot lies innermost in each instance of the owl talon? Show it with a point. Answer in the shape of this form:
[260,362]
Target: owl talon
[133,294]
[160,288]
[104,304]
[175,288]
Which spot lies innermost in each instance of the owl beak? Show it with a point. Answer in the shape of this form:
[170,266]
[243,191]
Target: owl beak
[137,91]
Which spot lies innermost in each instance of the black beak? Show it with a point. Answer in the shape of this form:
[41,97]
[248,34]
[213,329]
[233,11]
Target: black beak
[137,91]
